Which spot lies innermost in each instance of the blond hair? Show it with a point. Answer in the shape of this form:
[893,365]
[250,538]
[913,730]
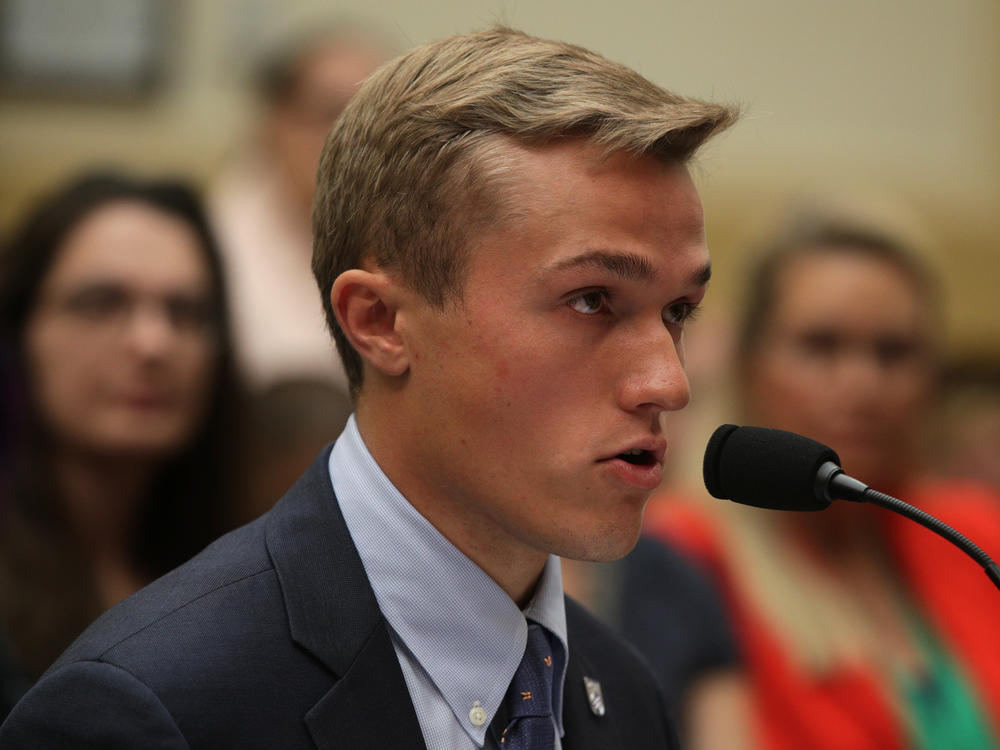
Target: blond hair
[405,176]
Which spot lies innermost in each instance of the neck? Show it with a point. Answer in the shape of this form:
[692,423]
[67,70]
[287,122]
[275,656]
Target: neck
[578,581]
[843,531]
[514,566]
[102,498]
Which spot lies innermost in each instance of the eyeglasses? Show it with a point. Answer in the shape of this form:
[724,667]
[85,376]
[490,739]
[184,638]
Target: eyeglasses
[109,306]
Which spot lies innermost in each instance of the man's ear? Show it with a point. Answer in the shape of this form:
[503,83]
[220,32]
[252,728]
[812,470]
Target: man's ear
[365,303]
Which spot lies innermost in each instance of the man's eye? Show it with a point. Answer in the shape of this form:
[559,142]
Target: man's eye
[589,303]
[680,313]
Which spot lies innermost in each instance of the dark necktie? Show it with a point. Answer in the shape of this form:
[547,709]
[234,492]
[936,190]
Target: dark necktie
[529,699]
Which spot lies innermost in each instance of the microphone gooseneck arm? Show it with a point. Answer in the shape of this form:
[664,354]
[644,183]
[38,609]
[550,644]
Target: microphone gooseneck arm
[834,484]
[781,470]
[938,527]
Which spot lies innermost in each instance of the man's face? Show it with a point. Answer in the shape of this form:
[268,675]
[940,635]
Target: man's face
[539,395]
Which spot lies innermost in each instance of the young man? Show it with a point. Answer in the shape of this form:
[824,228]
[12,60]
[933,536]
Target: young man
[508,245]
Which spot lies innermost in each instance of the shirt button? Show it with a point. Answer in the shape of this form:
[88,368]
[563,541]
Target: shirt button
[477,715]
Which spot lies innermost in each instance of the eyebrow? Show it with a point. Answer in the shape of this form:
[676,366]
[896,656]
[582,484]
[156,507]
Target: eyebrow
[702,276]
[626,266]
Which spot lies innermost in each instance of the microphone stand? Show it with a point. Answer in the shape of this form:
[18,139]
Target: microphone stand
[833,483]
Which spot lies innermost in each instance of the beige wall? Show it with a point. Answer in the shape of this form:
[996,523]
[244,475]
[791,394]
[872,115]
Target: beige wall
[897,98]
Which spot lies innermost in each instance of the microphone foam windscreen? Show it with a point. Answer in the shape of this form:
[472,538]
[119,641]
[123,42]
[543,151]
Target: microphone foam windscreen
[766,468]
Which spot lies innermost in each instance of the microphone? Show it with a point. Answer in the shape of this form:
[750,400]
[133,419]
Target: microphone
[782,470]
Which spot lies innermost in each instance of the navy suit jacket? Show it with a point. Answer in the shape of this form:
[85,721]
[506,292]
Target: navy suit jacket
[272,638]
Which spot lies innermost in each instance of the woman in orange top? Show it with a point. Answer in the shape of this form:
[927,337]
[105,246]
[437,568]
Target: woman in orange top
[861,630]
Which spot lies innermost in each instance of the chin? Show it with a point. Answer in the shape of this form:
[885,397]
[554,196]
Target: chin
[874,468]
[606,543]
[156,441]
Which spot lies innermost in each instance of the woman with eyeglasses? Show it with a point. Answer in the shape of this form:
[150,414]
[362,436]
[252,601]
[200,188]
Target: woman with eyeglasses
[118,404]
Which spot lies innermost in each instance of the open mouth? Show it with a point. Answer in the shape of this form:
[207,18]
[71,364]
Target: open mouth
[638,468]
[638,457]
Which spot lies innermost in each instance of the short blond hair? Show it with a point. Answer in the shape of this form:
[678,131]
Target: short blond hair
[404,181]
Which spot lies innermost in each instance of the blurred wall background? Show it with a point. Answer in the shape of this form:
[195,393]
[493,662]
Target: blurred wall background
[881,101]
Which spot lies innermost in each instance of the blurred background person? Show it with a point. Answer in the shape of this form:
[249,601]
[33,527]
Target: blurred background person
[289,422]
[674,614]
[260,205]
[967,436]
[120,406]
[860,629]
[261,201]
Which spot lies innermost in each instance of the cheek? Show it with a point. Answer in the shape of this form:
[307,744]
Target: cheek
[196,368]
[64,377]
[468,361]
[493,377]
[779,388]
[906,399]
[538,377]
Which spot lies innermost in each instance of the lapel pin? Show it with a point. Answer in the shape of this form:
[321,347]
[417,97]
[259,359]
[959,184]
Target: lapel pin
[594,696]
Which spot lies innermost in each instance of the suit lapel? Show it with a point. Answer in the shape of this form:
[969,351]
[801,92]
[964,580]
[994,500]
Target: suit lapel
[333,614]
[369,706]
[633,714]
[584,729]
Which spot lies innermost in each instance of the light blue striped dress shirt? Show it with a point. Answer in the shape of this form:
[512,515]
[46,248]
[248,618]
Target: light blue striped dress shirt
[458,636]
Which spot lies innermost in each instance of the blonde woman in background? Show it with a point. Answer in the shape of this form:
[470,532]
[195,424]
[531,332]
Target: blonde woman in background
[860,629]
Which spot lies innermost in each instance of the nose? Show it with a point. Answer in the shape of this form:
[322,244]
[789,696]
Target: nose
[859,376]
[654,379]
[150,332]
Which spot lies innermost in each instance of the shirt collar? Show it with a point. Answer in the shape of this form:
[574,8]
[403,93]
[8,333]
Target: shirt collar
[465,631]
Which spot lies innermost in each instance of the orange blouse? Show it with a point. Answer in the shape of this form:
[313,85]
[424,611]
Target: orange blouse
[847,709]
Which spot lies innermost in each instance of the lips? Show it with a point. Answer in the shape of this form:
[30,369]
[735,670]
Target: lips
[642,452]
[147,400]
[637,457]
[639,465]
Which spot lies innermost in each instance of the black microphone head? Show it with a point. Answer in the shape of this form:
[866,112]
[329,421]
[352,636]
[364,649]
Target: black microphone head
[766,468]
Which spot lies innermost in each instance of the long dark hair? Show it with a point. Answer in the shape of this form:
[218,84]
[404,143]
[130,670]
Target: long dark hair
[189,502]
